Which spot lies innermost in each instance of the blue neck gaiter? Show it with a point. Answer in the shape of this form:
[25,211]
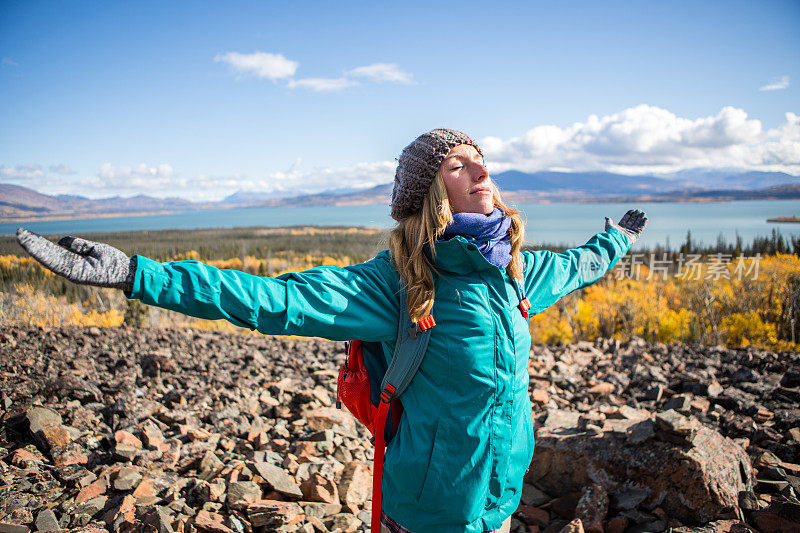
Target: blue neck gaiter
[488,232]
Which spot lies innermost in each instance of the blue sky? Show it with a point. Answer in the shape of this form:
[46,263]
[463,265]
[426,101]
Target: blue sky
[200,100]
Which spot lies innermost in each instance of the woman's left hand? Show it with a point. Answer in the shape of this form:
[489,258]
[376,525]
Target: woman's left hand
[632,223]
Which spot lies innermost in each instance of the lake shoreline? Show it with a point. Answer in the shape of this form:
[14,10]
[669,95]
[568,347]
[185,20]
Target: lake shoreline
[564,223]
[514,197]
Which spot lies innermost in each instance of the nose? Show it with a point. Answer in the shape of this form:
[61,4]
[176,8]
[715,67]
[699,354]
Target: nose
[480,173]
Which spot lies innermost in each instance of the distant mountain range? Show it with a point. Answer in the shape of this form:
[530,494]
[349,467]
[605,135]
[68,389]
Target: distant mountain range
[19,203]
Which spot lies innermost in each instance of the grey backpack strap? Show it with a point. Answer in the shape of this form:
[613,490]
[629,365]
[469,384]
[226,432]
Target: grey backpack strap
[524,304]
[412,341]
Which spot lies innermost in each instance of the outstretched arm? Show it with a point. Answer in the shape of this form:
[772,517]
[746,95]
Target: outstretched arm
[550,276]
[336,303]
[331,302]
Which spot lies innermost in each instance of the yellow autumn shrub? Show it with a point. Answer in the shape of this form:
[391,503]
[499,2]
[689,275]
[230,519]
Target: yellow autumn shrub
[744,329]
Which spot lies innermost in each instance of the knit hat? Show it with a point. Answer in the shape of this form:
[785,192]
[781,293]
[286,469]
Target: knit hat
[417,166]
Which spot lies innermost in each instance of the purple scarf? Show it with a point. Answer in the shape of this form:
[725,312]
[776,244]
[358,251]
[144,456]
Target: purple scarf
[488,232]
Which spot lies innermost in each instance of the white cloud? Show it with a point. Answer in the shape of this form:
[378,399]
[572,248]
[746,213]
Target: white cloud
[65,170]
[7,61]
[641,139]
[321,179]
[141,178]
[777,84]
[162,181]
[260,64]
[278,67]
[651,139]
[21,172]
[381,72]
[322,84]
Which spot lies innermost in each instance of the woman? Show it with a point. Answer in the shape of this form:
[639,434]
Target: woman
[466,436]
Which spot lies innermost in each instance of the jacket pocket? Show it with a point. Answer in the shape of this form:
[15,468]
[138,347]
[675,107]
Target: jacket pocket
[430,476]
[458,472]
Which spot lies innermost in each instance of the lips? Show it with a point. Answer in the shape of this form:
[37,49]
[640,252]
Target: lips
[482,190]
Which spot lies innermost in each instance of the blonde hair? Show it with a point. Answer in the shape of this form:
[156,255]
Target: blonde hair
[407,242]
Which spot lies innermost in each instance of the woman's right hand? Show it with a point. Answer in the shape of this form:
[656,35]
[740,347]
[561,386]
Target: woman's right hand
[81,261]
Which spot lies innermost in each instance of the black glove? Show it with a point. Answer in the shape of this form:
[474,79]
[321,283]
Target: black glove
[81,261]
[632,223]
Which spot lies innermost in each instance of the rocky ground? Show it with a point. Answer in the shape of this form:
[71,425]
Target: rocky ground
[127,429]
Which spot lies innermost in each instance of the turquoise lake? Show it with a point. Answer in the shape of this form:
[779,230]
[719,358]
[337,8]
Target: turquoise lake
[555,223]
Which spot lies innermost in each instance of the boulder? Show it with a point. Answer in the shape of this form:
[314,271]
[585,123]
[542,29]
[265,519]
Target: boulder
[697,482]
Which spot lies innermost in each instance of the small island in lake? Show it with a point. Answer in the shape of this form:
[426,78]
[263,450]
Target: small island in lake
[784,219]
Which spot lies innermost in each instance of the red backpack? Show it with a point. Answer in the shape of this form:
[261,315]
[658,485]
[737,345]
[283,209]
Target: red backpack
[370,389]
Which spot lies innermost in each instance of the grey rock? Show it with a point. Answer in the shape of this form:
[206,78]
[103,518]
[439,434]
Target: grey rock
[127,479]
[210,466]
[533,496]
[321,509]
[13,528]
[344,522]
[278,480]
[243,491]
[46,520]
[641,431]
[126,452]
[159,518]
[93,506]
[629,498]
[656,526]
[40,417]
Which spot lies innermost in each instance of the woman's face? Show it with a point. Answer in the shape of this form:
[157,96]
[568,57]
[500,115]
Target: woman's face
[469,187]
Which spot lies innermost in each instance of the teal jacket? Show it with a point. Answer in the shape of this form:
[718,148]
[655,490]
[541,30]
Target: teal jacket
[466,436]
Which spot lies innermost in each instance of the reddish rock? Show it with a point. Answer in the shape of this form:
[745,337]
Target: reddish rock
[601,389]
[151,435]
[69,454]
[19,516]
[564,506]
[534,515]
[576,526]
[194,433]
[211,522]
[617,525]
[763,415]
[327,417]
[592,508]
[55,436]
[92,490]
[781,517]
[172,452]
[356,483]
[720,526]
[23,458]
[305,450]
[700,482]
[126,437]
[700,405]
[271,513]
[122,516]
[540,396]
[319,489]
[144,489]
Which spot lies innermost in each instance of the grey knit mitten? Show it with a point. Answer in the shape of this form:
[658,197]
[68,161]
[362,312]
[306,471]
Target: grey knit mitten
[81,261]
[632,223]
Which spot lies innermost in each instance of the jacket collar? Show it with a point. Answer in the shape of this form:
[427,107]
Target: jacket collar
[458,256]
